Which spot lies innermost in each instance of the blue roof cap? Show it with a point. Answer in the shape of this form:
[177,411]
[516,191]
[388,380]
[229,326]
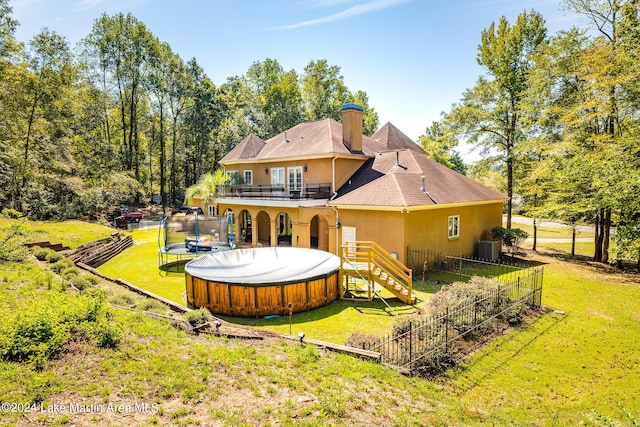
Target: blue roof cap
[351,107]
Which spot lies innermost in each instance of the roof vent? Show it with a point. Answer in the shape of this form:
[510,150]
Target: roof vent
[424,190]
[285,137]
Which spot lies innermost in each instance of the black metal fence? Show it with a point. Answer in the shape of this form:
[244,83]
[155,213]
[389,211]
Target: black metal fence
[421,342]
[426,260]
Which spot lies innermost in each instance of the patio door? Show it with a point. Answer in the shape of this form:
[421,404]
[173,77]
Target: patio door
[295,179]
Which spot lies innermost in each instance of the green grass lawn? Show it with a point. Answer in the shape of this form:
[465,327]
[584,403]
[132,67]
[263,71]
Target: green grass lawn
[576,368]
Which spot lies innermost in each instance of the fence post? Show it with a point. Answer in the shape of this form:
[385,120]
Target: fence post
[446,331]
[460,265]
[410,345]
[475,318]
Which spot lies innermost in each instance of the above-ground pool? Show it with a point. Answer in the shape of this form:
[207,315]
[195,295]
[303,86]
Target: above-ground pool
[262,281]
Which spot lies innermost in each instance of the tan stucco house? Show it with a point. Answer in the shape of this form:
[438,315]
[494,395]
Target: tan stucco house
[323,183]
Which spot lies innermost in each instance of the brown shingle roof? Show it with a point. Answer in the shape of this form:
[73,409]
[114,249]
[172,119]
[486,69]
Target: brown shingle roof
[394,178]
[248,148]
[389,137]
[317,138]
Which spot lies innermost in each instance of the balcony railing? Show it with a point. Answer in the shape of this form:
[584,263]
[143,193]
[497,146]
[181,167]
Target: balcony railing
[281,192]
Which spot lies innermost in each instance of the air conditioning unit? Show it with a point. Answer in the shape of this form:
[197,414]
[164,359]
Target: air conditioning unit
[488,250]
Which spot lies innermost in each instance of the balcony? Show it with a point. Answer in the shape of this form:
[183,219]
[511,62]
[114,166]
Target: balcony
[277,192]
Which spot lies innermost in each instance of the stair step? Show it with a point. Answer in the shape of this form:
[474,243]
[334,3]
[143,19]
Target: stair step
[405,292]
[391,281]
[376,272]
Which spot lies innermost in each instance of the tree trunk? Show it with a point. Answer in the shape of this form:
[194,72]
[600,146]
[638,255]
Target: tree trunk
[509,188]
[573,241]
[535,234]
[599,226]
[162,161]
[606,234]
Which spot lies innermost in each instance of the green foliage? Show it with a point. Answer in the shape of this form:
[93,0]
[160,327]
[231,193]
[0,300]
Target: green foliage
[53,257]
[37,329]
[11,213]
[61,265]
[510,237]
[198,317]
[107,334]
[41,254]
[123,299]
[439,142]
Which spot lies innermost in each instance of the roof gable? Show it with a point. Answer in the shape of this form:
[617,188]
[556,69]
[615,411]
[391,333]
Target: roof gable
[248,148]
[395,178]
[389,137]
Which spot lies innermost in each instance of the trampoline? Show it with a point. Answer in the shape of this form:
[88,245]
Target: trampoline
[182,237]
[263,281]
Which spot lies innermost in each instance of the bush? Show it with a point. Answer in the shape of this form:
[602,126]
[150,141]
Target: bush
[39,328]
[198,317]
[41,254]
[61,265]
[152,305]
[53,257]
[79,282]
[93,280]
[363,340]
[11,213]
[108,335]
[125,300]
[512,238]
[70,272]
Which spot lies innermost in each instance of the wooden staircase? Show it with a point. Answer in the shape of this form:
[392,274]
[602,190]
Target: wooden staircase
[370,262]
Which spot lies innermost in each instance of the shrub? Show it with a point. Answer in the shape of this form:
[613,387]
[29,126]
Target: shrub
[125,300]
[37,329]
[198,317]
[61,265]
[79,282]
[53,257]
[512,238]
[11,213]
[41,254]
[108,334]
[93,280]
[363,340]
[70,272]
[152,305]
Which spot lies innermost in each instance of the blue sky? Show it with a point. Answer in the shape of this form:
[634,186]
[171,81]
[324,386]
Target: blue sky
[414,58]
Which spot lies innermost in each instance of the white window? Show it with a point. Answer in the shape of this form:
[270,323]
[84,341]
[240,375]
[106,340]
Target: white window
[454,226]
[248,177]
[212,210]
[295,178]
[277,176]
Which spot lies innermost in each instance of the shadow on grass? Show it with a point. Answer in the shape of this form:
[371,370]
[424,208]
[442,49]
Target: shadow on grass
[173,267]
[497,354]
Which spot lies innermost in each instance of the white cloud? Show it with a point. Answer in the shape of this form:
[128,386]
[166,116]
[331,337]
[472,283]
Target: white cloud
[359,9]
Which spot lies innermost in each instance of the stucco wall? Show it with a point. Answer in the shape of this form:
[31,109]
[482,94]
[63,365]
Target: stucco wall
[429,229]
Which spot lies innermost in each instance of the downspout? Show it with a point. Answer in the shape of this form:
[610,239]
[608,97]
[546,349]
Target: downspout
[333,174]
[337,225]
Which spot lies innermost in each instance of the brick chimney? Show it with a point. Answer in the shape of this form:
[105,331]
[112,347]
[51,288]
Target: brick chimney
[352,126]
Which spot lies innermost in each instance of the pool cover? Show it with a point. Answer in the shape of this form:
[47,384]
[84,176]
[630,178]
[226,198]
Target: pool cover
[263,265]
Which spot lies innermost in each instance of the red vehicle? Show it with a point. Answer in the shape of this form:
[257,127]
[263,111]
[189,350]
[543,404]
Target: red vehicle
[123,214]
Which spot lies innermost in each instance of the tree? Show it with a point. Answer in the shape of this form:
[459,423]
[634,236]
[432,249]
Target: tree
[121,45]
[207,187]
[51,73]
[489,114]
[439,143]
[323,91]
[275,103]
[583,97]
[370,118]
